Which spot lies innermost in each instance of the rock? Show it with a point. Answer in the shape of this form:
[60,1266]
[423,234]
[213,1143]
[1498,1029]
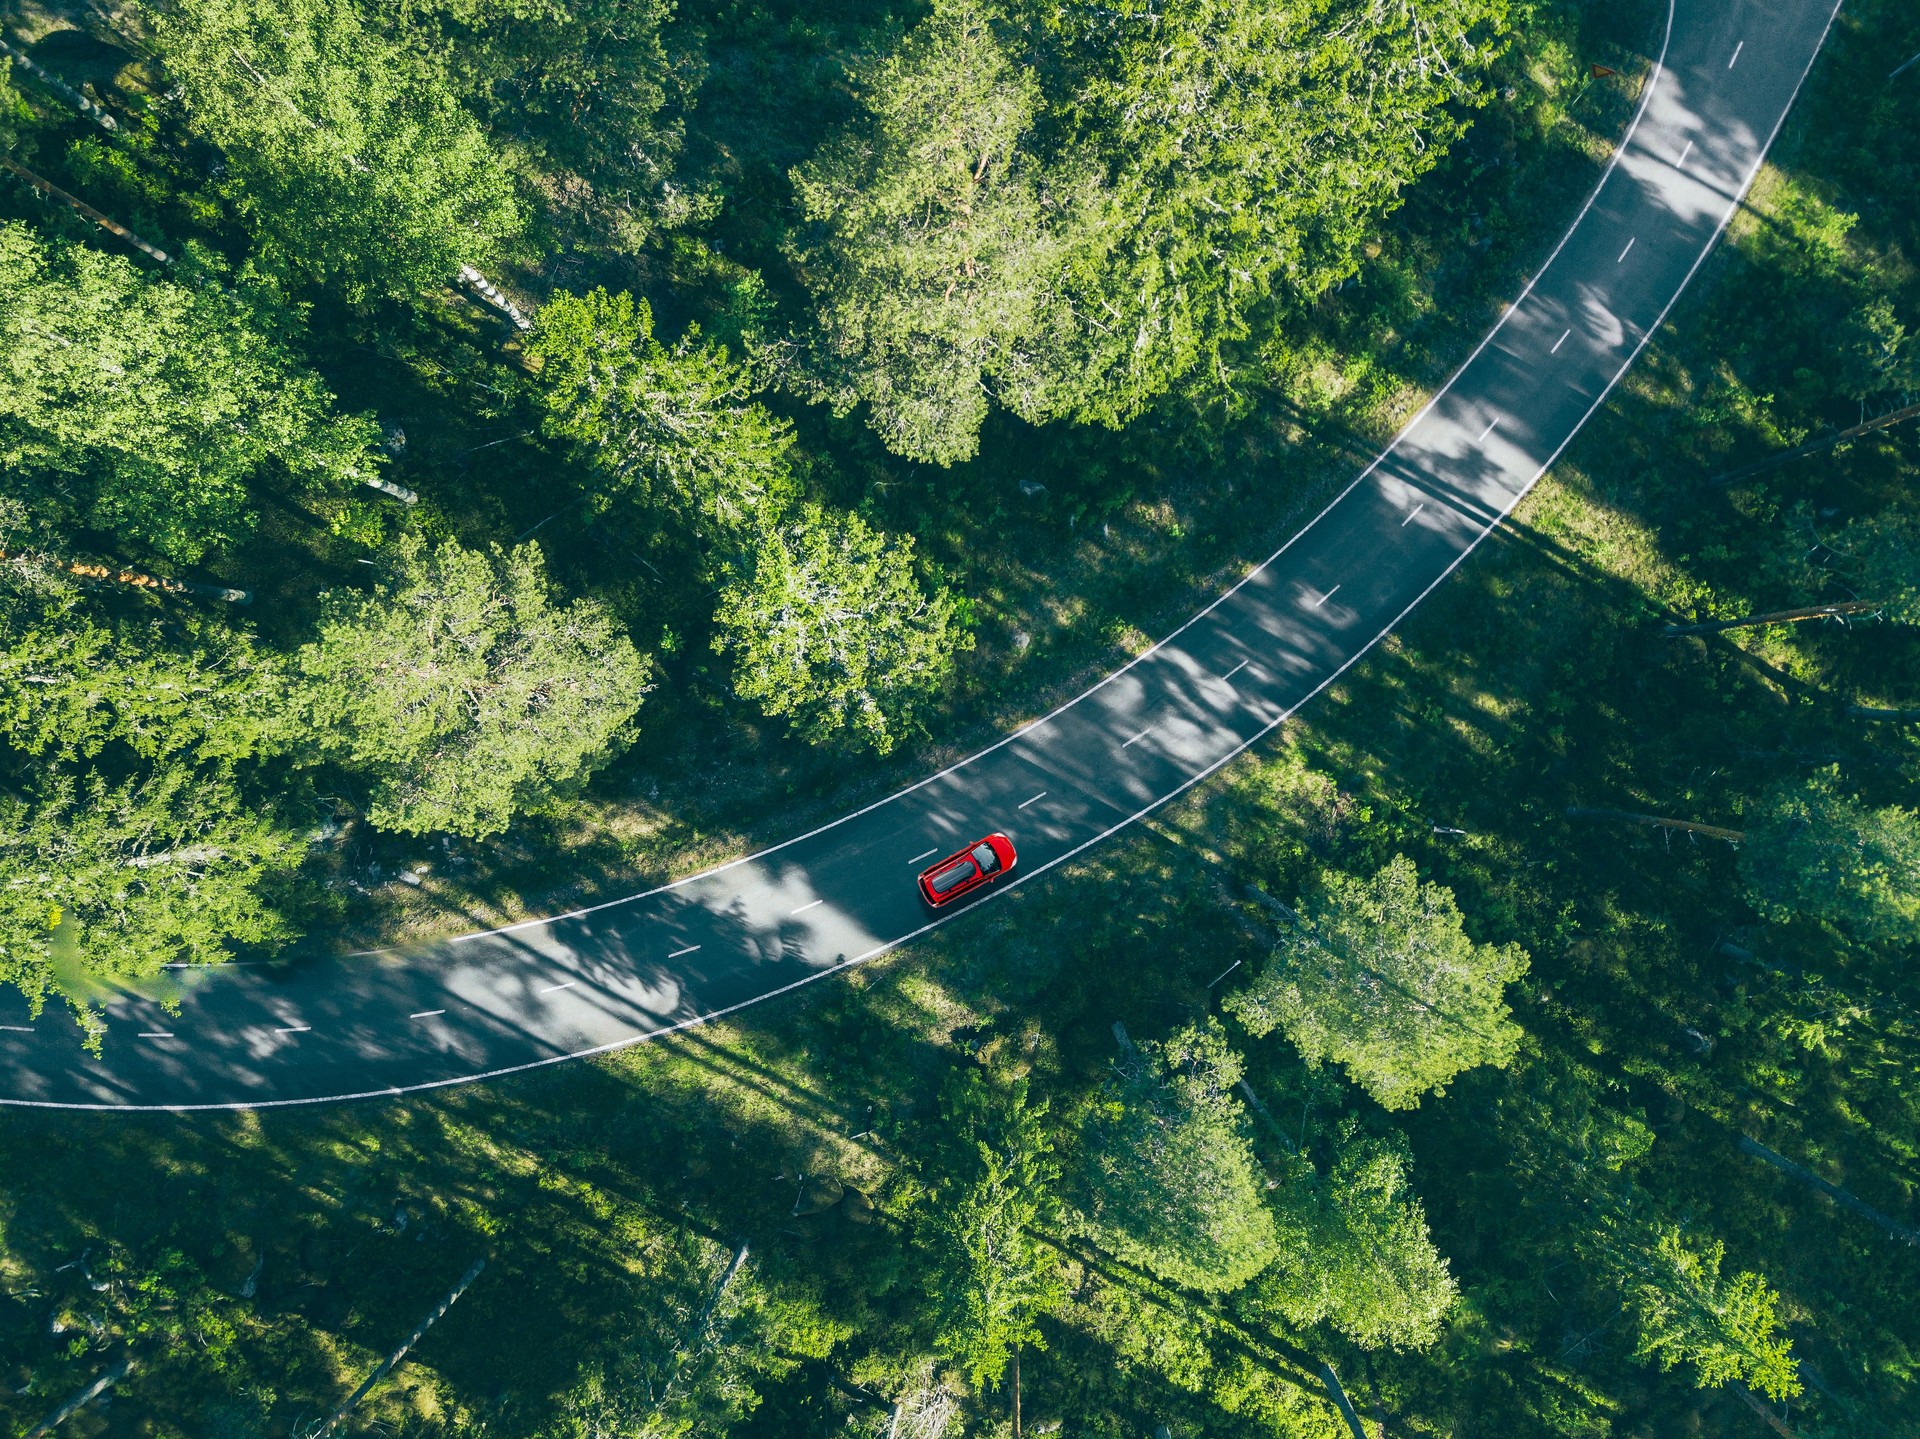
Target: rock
[1021,639]
[857,1207]
[1031,489]
[818,1194]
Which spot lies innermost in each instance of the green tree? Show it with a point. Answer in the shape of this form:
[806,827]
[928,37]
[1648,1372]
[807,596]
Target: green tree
[934,238]
[1354,1248]
[673,428]
[123,877]
[587,89]
[1251,150]
[148,409]
[1882,554]
[1816,851]
[689,1352]
[1727,1329]
[990,1277]
[464,692]
[1380,976]
[1167,1178]
[828,628]
[347,154]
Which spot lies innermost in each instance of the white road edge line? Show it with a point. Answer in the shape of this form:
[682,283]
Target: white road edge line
[1411,513]
[688,950]
[814,904]
[1137,738]
[1736,53]
[1035,800]
[1327,596]
[1630,245]
[552,987]
[426,1014]
[1559,342]
[880,949]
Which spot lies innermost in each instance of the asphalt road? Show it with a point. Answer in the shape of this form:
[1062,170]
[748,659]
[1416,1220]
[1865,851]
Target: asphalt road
[583,983]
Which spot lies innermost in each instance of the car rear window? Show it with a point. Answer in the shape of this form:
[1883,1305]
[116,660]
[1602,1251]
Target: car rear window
[959,874]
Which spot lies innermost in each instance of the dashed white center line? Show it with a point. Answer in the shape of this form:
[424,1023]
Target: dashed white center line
[1137,738]
[1559,342]
[1035,800]
[295,1029]
[688,950]
[928,855]
[1235,670]
[18,1028]
[426,1014]
[1677,164]
[1492,425]
[1327,596]
[156,1034]
[1623,253]
[1736,53]
[552,987]
[1411,513]
[815,904]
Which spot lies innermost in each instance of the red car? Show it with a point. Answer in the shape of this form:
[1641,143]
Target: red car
[980,863]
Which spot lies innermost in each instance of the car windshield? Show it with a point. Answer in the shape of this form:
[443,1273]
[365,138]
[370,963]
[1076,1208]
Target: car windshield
[984,856]
[947,880]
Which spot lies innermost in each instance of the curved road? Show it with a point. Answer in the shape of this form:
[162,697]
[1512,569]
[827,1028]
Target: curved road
[599,978]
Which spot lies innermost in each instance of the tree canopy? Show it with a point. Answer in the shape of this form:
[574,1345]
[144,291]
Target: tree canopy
[1166,1177]
[1380,976]
[1816,851]
[1354,1250]
[675,428]
[349,157]
[463,691]
[1727,1329]
[829,628]
[148,410]
[992,1276]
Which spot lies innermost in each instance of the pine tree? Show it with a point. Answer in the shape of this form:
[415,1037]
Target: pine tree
[1166,1175]
[828,627]
[671,429]
[991,1277]
[347,154]
[1380,976]
[148,409]
[464,692]
[1813,850]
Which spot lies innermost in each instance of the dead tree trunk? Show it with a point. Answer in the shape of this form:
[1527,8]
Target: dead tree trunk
[1711,831]
[1825,442]
[1016,1391]
[1340,1400]
[385,1367]
[61,88]
[86,1396]
[1875,712]
[484,288]
[134,578]
[1778,617]
[79,206]
[1774,1421]
[1833,1191]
